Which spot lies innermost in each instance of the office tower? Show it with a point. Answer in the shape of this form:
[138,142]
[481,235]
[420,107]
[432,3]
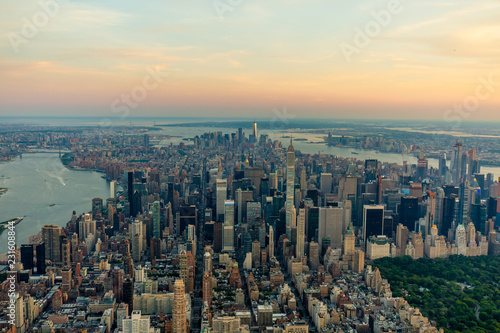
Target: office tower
[348,186]
[255,253]
[136,323]
[461,239]
[65,251]
[96,206]
[422,166]
[128,292]
[271,241]
[303,180]
[179,310]
[373,220]
[218,236]
[349,241]
[51,237]
[228,239]
[314,255]
[254,211]
[331,223]
[146,140]
[112,189]
[359,261]
[448,218]
[27,256]
[255,137]
[130,188]
[442,165]
[408,212]
[301,235]
[290,187]
[326,183]
[40,258]
[221,197]
[463,204]
[207,289]
[136,236]
[458,162]
[402,236]
[86,227]
[497,222]
[312,223]
[156,219]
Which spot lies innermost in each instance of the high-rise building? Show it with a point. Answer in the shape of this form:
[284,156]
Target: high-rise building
[86,227]
[27,256]
[271,241]
[112,189]
[301,235]
[313,255]
[136,236]
[373,220]
[65,251]
[290,187]
[136,323]
[96,206]
[179,310]
[130,187]
[156,219]
[51,235]
[40,258]
[408,212]
[207,289]
[331,225]
[228,239]
[221,197]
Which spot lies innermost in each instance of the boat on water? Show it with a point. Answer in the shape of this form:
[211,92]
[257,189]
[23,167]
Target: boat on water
[354,153]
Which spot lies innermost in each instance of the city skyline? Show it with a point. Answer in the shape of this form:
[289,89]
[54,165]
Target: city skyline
[246,59]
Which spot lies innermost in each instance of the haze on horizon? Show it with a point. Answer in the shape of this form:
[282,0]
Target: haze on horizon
[255,57]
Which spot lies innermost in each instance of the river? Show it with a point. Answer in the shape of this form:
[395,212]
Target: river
[42,190]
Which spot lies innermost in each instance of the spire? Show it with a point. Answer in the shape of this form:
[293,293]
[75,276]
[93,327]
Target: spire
[290,148]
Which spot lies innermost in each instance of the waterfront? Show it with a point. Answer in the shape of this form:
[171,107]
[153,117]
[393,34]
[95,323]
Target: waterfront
[314,145]
[37,181]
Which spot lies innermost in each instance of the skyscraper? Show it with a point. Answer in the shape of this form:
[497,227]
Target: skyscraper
[271,241]
[290,184]
[136,238]
[301,234]
[51,237]
[228,239]
[221,197]
[156,219]
[179,310]
[112,189]
[27,256]
[373,220]
[207,289]
[130,188]
[256,138]
[408,212]
[40,258]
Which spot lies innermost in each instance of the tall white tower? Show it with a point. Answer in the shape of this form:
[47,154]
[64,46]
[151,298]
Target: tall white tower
[290,184]
[301,233]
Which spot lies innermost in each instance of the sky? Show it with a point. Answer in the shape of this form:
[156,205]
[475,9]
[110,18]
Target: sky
[333,59]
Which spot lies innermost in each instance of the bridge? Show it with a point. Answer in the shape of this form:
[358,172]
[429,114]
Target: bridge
[60,152]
